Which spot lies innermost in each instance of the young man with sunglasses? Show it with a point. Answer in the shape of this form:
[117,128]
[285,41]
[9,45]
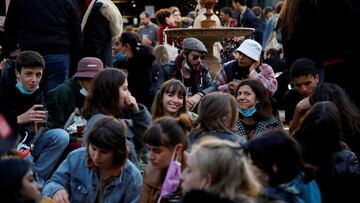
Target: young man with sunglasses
[247,65]
[189,69]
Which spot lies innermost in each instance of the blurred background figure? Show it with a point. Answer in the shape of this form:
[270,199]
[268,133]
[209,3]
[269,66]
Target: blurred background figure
[165,19]
[247,18]
[148,30]
[101,25]
[162,56]
[201,16]
[268,12]
[227,17]
[177,16]
[228,44]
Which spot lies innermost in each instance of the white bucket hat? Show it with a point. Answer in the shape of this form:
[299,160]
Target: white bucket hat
[250,48]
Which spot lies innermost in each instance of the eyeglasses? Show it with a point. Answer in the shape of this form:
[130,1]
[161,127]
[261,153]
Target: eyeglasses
[195,58]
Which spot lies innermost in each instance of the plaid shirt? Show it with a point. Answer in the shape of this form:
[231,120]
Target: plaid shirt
[261,126]
[264,74]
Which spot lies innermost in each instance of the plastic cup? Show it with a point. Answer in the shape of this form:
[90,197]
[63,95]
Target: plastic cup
[41,123]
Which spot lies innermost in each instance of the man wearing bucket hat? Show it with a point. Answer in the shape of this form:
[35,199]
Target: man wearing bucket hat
[63,100]
[189,69]
[247,65]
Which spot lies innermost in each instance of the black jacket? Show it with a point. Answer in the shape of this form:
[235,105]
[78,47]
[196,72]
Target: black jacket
[96,37]
[16,103]
[139,77]
[48,27]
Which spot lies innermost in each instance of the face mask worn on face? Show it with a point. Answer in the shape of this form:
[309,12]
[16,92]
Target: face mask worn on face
[119,57]
[23,90]
[248,112]
[172,179]
[84,92]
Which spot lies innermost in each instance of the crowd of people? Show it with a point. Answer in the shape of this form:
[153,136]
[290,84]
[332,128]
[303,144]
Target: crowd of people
[92,112]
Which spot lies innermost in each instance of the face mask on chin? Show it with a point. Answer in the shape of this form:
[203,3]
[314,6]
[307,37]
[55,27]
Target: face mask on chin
[119,57]
[20,86]
[84,92]
[172,178]
[248,112]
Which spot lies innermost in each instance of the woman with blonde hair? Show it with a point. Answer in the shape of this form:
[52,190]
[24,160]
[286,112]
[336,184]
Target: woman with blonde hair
[219,167]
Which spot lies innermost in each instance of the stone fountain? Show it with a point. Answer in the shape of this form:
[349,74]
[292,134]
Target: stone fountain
[209,34]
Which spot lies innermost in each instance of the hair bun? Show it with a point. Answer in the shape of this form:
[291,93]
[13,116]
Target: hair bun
[184,121]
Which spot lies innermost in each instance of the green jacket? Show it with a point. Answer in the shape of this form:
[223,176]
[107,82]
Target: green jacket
[63,100]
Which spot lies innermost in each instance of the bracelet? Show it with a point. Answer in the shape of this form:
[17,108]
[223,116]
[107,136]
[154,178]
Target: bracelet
[201,94]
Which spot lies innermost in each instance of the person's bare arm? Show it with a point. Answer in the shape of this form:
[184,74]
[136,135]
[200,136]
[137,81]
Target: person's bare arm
[300,110]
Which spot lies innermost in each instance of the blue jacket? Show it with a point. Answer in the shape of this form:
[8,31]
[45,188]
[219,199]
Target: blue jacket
[82,183]
[297,191]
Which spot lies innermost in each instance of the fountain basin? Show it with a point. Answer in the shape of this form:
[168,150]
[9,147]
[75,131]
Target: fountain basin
[209,34]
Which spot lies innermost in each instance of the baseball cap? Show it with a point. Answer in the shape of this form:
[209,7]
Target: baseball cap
[88,67]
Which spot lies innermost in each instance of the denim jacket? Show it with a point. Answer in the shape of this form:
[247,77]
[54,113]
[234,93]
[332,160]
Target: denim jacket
[82,183]
[297,190]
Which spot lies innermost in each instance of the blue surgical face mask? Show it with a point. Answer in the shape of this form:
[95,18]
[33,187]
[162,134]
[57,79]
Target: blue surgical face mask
[119,57]
[84,92]
[23,90]
[248,112]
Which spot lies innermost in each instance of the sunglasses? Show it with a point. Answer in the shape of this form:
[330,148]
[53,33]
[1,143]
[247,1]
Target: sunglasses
[195,58]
